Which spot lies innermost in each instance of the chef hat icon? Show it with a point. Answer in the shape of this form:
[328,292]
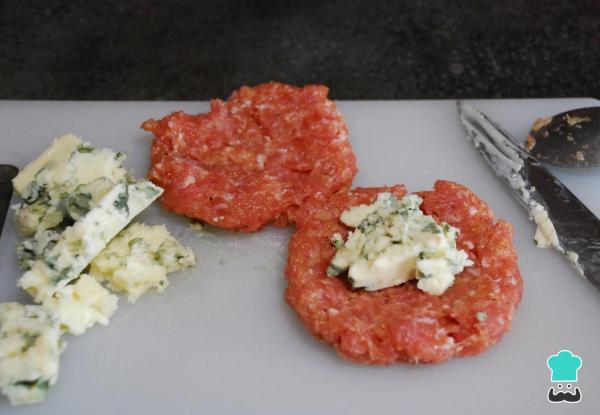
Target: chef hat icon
[564,366]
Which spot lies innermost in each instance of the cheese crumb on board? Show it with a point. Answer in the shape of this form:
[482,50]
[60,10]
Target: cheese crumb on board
[394,242]
[198,227]
[30,347]
[139,259]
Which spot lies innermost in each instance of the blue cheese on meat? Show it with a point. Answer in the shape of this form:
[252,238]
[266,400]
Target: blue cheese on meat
[394,242]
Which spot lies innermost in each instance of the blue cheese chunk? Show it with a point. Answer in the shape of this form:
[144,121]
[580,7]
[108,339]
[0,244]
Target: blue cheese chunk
[394,242]
[84,165]
[29,216]
[60,150]
[139,258]
[30,347]
[82,241]
[64,183]
[82,304]
[71,207]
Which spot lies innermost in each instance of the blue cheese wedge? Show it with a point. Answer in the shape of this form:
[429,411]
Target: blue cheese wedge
[394,242]
[30,347]
[64,183]
[60,187]
[139,258]
[80,305]
[67,163]
[82,241]
[69,208]
[60,150]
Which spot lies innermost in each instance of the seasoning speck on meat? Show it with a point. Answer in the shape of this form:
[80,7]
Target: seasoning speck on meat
[253,159]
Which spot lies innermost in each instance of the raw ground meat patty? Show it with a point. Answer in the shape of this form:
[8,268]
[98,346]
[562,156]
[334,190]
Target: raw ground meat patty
[403,323]
[253,159]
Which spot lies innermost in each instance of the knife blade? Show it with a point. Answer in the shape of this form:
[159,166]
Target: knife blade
[564,222]
[7,173]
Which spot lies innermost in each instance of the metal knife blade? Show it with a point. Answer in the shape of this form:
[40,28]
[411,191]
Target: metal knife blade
[7,173]
[577,228]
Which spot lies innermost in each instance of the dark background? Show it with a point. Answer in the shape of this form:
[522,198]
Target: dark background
[195,50]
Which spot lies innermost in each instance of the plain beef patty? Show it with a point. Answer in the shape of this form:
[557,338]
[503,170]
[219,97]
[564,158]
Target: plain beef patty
[253,159]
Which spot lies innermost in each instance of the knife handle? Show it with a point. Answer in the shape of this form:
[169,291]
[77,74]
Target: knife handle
[7,173]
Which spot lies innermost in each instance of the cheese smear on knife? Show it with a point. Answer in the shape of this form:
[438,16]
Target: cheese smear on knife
[394,242]
[545,234]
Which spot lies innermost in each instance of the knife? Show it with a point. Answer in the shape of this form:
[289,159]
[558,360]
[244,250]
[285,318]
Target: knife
[7,173]
[564,222]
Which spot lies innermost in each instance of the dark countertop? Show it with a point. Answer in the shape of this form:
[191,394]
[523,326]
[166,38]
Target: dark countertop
[378,49]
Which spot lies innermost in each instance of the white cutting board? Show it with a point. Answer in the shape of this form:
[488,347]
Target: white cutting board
[221,339]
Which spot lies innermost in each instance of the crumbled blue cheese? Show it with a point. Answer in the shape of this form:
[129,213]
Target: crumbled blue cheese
[30,347]
[29,216]
[34,248]
[393,242]
[139,258]
[81,304]
[82,241]
[77,199]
